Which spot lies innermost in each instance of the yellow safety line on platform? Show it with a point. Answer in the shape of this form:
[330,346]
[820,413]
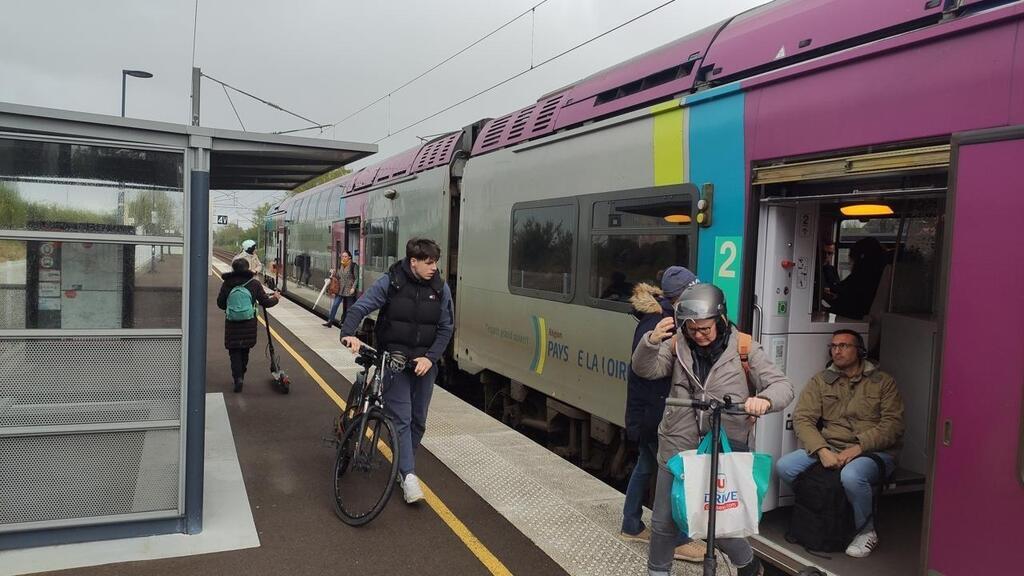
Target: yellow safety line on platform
[489,560]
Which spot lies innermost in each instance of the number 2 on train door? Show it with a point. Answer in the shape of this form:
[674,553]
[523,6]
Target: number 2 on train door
[727,262]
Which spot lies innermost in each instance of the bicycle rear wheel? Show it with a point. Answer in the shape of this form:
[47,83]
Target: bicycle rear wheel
[365,469]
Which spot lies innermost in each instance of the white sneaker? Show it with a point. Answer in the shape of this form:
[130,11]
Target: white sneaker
[411,488]
[862,544]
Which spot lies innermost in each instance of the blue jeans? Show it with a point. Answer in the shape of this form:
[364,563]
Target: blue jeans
[406,398]
[337,304]
[632,510]
[857,478]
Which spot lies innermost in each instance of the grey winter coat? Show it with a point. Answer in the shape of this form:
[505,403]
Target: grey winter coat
[679,429]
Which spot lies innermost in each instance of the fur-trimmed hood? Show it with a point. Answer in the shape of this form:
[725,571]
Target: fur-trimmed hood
[647,299]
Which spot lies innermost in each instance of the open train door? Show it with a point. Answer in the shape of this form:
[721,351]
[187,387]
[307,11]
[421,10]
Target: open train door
[337,241]
[977,488]
[281,269]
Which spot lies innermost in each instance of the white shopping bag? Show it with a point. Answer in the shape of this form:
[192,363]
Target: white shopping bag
[737,502]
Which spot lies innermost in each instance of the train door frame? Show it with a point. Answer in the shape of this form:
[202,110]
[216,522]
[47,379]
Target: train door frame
[353,229]
[337,241]
[281,270]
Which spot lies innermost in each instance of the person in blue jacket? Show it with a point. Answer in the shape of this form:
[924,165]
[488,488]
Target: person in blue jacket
[416,320]
[645,403]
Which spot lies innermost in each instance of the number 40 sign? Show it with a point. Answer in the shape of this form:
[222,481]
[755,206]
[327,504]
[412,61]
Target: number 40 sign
[727,265]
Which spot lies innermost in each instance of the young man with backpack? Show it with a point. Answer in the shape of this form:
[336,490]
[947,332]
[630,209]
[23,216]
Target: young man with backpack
[415,319]
[849,418]
[238,297]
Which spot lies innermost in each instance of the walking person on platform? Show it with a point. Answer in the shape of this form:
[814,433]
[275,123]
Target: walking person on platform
[415,319]
[238,297]
[342,287]
[704,361]
[249,254]
[645,403]
[848,410]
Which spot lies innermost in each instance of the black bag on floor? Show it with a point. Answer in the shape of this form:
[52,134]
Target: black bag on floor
[822,517]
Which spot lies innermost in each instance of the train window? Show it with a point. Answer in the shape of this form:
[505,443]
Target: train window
[375,245]
[541,250]
[633,240]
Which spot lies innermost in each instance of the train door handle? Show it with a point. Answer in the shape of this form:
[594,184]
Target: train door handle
[947,432]
[758,319]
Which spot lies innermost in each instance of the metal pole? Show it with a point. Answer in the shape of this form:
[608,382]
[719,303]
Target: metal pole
[197,75]
[710,562]
[124,75]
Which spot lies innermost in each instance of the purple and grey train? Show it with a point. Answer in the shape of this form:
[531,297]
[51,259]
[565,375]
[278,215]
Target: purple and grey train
[739,151]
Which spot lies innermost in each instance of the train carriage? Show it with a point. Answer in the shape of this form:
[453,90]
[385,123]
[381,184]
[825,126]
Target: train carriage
[740,151]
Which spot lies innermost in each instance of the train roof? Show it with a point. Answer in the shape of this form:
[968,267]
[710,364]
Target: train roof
[771,36]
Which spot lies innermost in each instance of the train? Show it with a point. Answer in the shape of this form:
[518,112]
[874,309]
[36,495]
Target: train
[739,151]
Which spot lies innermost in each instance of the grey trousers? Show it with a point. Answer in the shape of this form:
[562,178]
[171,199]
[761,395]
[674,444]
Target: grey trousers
[664,533]
[406,399]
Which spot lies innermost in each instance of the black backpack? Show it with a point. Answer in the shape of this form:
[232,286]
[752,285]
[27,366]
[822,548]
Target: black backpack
[822,517]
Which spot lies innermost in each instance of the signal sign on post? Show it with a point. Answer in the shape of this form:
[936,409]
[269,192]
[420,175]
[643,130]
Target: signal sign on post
[222,218]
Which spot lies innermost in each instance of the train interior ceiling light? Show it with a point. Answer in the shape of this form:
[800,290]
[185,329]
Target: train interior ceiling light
[866,210]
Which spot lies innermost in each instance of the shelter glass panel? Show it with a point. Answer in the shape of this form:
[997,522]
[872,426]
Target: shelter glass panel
[89,285]
[542,247]
[98,189]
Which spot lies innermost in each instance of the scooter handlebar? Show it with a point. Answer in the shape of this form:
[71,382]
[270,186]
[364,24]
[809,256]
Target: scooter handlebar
[725,408]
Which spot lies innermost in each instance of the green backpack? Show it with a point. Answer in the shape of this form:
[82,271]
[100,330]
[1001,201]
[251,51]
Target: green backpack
[241,304]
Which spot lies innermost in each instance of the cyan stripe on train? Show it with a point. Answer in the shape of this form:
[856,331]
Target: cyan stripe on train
[716,146]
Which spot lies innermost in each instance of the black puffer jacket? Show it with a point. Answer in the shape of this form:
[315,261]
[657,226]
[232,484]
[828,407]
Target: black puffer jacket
[242,333]
[645,399]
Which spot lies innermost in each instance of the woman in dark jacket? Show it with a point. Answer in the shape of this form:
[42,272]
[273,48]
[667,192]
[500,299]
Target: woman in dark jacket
[240,335]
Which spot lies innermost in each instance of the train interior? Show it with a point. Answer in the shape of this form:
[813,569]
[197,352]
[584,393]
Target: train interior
[807,230]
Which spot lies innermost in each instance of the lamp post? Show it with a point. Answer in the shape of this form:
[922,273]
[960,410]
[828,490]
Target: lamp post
[124,76]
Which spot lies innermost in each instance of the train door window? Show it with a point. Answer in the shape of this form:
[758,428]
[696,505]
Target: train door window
[633,240]
[375,245]
[542,250]
[390,241]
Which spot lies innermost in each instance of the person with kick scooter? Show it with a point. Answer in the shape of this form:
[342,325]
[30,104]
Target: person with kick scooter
[707,359]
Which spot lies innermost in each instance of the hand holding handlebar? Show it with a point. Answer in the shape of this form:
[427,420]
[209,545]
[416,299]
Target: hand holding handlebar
[352,343]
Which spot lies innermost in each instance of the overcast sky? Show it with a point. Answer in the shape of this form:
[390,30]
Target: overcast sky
[323,59]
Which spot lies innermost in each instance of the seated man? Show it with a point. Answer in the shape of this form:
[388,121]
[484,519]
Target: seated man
[860,411]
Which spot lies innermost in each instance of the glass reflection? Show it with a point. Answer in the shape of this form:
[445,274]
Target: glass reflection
[89,285]
[100,189]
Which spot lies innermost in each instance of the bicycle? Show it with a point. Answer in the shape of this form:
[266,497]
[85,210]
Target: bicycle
[366,462]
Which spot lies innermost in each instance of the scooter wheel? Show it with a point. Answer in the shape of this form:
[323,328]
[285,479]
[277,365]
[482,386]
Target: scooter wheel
[285,385]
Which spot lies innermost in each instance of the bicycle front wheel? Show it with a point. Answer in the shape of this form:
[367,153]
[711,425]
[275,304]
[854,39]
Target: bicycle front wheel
[366,468]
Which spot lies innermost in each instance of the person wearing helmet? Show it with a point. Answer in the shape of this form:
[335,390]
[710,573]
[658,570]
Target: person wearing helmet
[248,254]
[703,361]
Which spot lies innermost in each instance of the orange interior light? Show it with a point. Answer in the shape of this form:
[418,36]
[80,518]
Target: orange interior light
[678,218]
[866,210]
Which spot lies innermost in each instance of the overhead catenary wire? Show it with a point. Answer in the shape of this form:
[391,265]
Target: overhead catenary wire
[235,110]
[530,10]
[519,74]
[268,103]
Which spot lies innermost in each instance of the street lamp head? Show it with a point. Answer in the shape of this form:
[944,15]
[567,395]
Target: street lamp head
[137,73]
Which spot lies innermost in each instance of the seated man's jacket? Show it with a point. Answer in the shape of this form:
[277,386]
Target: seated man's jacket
[866,410]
